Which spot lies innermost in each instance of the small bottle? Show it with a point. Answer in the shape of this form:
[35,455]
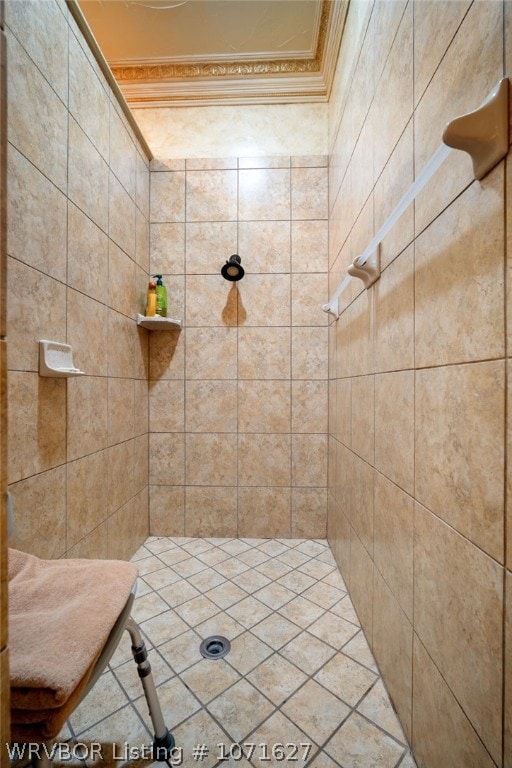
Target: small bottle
[151,302]
[161,297]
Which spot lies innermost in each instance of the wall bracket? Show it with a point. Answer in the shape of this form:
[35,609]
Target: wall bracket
[369,271]
[483,133]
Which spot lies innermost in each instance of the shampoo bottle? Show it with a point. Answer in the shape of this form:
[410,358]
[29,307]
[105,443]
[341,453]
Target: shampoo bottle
[151,302]
[161,297]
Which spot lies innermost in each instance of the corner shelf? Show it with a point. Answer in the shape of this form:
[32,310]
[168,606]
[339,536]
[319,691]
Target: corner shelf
[158,323]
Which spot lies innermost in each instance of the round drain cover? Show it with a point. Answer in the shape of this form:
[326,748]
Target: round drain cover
[215,647]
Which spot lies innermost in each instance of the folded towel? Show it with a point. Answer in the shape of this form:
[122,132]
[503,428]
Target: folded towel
[61,613]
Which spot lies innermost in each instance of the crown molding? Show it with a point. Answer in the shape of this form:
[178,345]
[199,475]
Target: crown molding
[235,81]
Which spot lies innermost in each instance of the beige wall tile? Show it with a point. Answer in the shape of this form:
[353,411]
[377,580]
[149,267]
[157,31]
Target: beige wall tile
[211,163]
[166,510]
[392,647]
[394,427]
[264,300]
[264,353]
[508,480]
[210,406]
[264,194]
[459,279]
[357,499]
[34,30]
[33,199]
[94,545]
[87,256]
[142,245]
[393,540]
[309,353]
[140,463]
[142,183]
[32,103]
[309,460]
[166,355]
[39,505]
[88,100]
[458,612]
[361,584]
[211,459]
[344,411]
[122,158]
[264,512]
[36,424]
[459,449]
[309,513]
[392,106]
[264,406]
[209,245]
[87,333]
[141,404]
[436,710]
[166,406]
[309,193]
[121,485]
[309,406]
[393,183]
[87,486]
[508,669]
[86,416]
[167,197]
[211,195]
[46,318]
[88,177]
[394,315]
[363,426]
[434,28]
[121,410]
[309,294]
[211,353]
[448,97]
[121,217]
[266,161]
[211,301]
[166,459]
[210,511]
[361,333]
[264,460]
[121,531]
[121,293]
[122,335]
[310,243]
[265,245]
[167,248]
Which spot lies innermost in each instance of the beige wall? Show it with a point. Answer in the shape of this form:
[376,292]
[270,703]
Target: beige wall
[238,399]
[78,246]
[227,131]
[417,374]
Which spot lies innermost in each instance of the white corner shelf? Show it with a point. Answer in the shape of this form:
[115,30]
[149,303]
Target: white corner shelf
[56,360]
[157,323]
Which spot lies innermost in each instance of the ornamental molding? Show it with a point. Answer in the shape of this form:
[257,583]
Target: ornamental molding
[239,81]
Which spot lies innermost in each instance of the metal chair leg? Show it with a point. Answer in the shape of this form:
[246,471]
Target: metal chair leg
[163,742]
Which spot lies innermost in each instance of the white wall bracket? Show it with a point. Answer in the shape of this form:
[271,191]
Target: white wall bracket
[369,270]
[56,360]
[483,133]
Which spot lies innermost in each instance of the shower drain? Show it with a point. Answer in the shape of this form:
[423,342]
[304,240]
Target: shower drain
[215,647]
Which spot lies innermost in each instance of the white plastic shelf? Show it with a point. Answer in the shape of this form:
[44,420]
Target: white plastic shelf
[56,360]
[158,323]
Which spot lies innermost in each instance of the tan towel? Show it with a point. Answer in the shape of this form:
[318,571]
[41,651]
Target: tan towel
[61,613]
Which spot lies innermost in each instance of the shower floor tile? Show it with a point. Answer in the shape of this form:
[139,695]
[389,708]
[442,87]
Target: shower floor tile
[299,672]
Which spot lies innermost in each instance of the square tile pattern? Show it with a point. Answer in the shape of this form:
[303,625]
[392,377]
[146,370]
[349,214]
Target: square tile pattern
[299,671]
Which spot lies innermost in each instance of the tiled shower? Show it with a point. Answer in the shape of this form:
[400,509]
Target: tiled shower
[384,431]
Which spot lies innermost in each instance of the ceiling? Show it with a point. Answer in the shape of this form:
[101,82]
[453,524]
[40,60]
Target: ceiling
[196,52]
